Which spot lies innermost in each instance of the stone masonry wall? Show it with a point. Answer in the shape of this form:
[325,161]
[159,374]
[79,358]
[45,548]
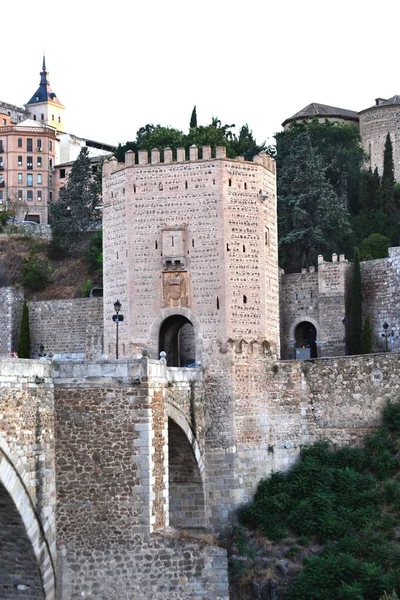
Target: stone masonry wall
[319,298]
[27,455]
[65,326]
[217,219]
[112,489]
[284,405]
[11,303]
[375,124]
[19,571]
[381,298]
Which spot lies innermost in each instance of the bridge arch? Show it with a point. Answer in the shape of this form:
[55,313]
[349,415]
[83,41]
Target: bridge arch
[14,494]
[187,499]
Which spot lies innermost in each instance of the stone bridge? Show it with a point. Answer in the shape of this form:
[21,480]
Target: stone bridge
[27,480]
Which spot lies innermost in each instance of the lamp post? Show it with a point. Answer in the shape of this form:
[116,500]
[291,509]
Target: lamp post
[117,318]
[41,351]
[385,334]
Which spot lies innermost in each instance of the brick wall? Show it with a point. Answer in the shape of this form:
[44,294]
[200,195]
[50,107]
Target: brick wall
[65,326]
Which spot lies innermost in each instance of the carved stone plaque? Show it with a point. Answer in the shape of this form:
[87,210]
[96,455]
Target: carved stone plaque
[175,289]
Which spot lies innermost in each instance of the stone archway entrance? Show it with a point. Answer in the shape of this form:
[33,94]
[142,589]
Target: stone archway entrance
[186,490]
[177,340]
[305,339]
[20,575]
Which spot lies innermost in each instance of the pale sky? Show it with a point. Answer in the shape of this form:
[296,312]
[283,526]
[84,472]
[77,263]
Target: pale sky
[119,65]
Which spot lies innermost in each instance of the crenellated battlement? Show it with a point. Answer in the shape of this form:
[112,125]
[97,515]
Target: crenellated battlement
[193,154]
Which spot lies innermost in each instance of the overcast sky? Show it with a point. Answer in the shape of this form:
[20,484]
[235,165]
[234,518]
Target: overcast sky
[119,65]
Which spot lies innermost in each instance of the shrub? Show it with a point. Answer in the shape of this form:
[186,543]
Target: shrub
[87,288]
[347,499]
[35,272]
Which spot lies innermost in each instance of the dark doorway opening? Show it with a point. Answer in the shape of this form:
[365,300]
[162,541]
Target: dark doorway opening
[176,339]
[306,337]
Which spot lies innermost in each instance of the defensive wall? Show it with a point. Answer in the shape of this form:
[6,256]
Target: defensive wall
[322,297]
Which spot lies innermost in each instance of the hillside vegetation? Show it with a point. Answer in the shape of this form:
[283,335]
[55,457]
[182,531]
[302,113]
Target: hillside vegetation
[327,529]
[25,262]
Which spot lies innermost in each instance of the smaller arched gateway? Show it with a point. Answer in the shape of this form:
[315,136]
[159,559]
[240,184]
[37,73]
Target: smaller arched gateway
[177,340]
[306,340]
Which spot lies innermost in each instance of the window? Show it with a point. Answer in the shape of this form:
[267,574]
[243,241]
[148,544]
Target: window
[29,144]
[1,146]
[29,179]
[52,117]
[29,163]
[20,196]
[39,195]
[19,142]
[42,117]
[50,196]
[59,119]
[1,197]
[62,173]
[39,178]
[50,163]
[50,145]
[39,161]
[19,177]
[1,163]
[34,117]
[29,195]
[39,145]
[4,121]
[20,161]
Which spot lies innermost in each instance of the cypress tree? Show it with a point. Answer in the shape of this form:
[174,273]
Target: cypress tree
[24,344]
[387,184]
[356,307]
[366,336]
[193,118]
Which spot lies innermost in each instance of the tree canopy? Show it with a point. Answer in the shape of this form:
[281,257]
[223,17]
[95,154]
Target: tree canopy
[75,209]
[312,217]
[215,134]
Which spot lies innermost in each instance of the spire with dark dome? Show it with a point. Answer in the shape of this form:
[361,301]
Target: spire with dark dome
[44,93]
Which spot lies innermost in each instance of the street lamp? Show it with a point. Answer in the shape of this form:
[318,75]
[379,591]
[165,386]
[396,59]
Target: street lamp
[117,318]
[41,351]
[386,334]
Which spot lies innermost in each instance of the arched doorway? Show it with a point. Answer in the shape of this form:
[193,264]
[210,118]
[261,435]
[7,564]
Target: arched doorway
[186,491]
[177,340]
[305,339]
[20,575]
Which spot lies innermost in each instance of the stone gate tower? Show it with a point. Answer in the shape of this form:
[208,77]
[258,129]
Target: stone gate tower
[190,250]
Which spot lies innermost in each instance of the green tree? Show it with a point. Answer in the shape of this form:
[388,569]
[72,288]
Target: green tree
[35,271]
[24,344]
[388,182]
[339,148]
[312,217]
[370,197]
[374,246]
[215,134]
[356,307]
[366,336]
[193,118]
[76,210]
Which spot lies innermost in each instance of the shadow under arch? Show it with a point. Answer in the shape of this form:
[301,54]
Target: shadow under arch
[187,499]
[166,313]
[14,486]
